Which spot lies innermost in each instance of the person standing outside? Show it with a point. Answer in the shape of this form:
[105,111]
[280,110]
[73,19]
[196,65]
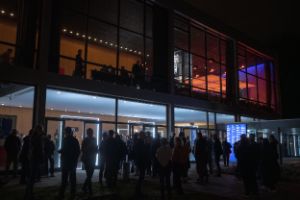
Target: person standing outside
[69,157]
[164,156]
[226,152]
[89,151]
[49,153]
[12,146]
[218,152]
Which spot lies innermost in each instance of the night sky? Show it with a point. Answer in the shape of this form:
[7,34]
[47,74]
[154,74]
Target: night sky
[275,25]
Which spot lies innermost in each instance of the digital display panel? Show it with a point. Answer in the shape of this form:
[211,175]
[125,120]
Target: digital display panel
[234,132]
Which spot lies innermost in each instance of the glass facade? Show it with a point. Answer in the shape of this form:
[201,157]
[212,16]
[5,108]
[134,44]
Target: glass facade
[199,60]
[257,82]
[110,41]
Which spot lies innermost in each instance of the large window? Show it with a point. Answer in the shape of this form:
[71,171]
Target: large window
[199,60]
[112,36]
[8,27]
[16,111]
[257,83]
[137,116]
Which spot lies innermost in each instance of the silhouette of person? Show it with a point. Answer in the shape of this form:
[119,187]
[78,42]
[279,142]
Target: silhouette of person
[102,157]
[226,152]
[218,152]
[138,73]
[89,151]
[12,146]
[69,157]
[5,58]
[79,67]
[24,158]
[49,154]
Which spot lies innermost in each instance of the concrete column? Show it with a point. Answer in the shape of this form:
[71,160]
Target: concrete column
[39,107]
[170,120]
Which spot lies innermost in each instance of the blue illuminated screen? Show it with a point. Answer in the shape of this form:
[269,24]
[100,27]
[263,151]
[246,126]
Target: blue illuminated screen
[234,132]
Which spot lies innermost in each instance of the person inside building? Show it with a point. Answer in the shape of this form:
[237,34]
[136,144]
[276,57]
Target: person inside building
[138,73]
[69,157]
[49,155]
[226,152]
[5,58]
[79,70]
[89,150]
[12,147]
[164,157]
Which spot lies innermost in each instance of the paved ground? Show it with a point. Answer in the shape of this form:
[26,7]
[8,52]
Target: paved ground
[225,187]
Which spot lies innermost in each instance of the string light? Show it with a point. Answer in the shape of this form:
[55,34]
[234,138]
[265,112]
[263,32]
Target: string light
[96,39]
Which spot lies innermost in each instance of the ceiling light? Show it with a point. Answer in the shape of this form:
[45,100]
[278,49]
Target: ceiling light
[77,34]
[106,42]
[51,109]
[78,111]
[2,104]
[89,37]
[83,36]
[11,14]
[2,11]
[95,39]
[130,50]
[140,53]
[148,55]
[94,97]
[211,70]
[71,32]
[20,106]
[64,30]
[116,45]
[121,47]
[111,44]
[100,41]
[58,92]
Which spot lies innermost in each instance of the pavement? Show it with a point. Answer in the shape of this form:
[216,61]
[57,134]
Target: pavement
[225,187]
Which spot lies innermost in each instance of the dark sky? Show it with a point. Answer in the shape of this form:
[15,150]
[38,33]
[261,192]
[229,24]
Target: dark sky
[276,25]
[267,21]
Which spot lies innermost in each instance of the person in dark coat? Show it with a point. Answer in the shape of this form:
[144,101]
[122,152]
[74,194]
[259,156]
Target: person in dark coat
[102,157]
[142,158]
[24,158]
[201,156]
[49,154]
[89,150]
[155,145]
[36,157]
[226,152]
[12,146]
[79,66]
[247,152]
[111,154]
[122,150]
[217,153]
[69,157]
[164,157]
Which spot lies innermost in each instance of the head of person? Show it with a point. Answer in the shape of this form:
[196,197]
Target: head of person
[157,135]
[39,129]
[104,136]
[68,131]
[181,134]
[79,52]
[14,132]
[272,138]
[243,138]
[252,137]
[164,141]
[90,132]
[177,141]
[216,137]
[9,51]
[142,135]
[199,135]
[111,133]
[118,136]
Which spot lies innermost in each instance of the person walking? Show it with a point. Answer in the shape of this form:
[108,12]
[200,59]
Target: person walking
[102,157]
[24,158]
[69,157]
[89,151]
[201,156]
[164,157]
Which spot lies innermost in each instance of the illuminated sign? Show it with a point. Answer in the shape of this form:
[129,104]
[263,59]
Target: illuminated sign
[234,132]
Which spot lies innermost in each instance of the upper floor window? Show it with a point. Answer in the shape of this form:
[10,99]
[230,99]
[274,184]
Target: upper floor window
[106,40]
[257,82]
[199,60]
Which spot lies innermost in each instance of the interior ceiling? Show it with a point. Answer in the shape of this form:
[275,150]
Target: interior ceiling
[89,104]
[265,21]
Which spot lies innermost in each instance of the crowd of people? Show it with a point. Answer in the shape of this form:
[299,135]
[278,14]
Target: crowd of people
[141,155]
